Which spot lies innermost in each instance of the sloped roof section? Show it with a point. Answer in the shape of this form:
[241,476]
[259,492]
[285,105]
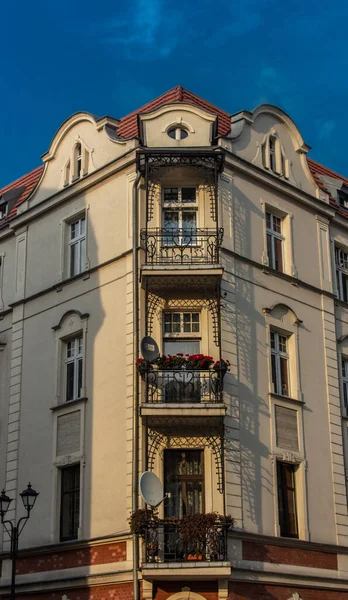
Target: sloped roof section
[29,181]
[318,170]
[128,126]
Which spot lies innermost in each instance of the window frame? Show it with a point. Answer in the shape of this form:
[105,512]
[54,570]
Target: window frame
[341,272]
[63,469]
[187,477]
[279,354]
[76,360]
[182,333]
[274,235]
[180,207]
[283,497]
[77,241]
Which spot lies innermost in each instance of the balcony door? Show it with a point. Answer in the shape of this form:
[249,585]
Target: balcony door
[184,480]
[179,216]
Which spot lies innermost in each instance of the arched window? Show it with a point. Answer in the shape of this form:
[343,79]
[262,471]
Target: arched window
[273,156]
[78,161]
[77,165]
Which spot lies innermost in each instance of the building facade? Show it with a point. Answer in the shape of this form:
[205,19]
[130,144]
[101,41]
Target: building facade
[217,236]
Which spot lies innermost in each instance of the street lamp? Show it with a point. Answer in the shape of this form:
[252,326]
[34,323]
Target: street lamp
[29,498]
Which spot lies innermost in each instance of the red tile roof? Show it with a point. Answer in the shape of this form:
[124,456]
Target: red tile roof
[317,169]
[30,181]
[128,126]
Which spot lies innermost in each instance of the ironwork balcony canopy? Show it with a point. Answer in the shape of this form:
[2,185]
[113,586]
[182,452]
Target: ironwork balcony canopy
[164,543]
[149,160]
[194,246]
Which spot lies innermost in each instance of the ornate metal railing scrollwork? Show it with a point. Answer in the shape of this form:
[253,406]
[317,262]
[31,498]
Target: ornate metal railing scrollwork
[166,246]
[183,386]
[164,542]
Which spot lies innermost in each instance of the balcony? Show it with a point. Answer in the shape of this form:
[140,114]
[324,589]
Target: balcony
[193,396]
[181,247]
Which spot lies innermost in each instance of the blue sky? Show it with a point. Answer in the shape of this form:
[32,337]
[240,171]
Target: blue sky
[110,57]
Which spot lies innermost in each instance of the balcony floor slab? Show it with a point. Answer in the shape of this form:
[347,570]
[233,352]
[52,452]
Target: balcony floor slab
[187,570]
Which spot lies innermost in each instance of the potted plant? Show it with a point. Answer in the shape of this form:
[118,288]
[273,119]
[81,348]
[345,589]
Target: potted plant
[222,366]
[201,535]
[143,367]
[171,361]
[199,361]
[140,520]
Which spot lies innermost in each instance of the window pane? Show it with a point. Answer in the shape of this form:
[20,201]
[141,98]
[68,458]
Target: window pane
[171,219]
[345,287]
[282,343]
[287,500]
[79,380]
[188,228]
[277,224]
[73,260]
[82,255]
[171,194]
[73,232]
[270,251]
[278,255]
[274,374]
[195,322]
[184,346]
[272,339]
[70,379]
[82,226]
[188,194]
[70,502]
[268,220]
[284,376]
[184,479]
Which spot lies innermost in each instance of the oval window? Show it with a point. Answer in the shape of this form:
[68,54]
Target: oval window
[177,133]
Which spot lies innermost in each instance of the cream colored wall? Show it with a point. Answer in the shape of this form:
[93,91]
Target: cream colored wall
[105,460]
[269,119]
[80,128]
[8,251]
[109,223]
[197,122]
[244,204]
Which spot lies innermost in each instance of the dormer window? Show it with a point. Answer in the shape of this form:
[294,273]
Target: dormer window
[3,209]
[177,133]
[343,199]
[273,156]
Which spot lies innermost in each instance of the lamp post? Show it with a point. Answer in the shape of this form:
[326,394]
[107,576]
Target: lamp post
[29,498]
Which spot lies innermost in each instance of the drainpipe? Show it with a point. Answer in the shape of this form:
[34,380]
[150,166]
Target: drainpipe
[135,441]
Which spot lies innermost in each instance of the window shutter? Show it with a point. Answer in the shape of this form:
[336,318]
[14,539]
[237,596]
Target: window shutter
[68,433]
[286,428]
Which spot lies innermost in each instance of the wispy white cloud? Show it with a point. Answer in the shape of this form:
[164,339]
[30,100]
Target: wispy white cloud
[145,32]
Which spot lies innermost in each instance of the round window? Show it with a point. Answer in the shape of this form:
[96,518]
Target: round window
[177,133]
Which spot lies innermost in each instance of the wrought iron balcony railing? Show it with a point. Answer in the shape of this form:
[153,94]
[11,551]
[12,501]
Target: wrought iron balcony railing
[165,541]
[183,386]
[164,246]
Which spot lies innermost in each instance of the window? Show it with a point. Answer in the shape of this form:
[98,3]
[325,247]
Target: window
[280,364]
[180,221]
[273,156]
[272,153]
[70,502]
[341,260]
[287,499]
[274,241]
[178,328]
[343,199]
[184,480]
[3,209]
[74,368]
[78,161]
[77,246]
[177,133]
[345,382]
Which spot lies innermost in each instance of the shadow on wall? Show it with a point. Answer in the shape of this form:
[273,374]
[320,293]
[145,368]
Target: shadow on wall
[255,477]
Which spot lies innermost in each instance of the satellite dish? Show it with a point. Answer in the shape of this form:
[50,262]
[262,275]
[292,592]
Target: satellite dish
[149,349]
[151,489]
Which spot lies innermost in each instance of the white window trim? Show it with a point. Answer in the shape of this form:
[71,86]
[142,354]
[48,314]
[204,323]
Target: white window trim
[278,353]
[180,206]
[77,213]
[289,326]
[77,241]
[282,165]
[301,493]
[75,360]
[275,235]
[71,326]
[70,168]
[2,262]
[183,334]
[66,461]
[289,267]
[340,270]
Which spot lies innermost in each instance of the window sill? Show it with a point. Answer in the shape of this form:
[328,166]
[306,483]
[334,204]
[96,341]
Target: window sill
[61,406]
[285,398]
